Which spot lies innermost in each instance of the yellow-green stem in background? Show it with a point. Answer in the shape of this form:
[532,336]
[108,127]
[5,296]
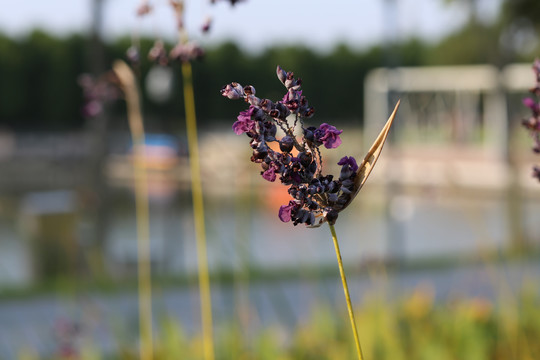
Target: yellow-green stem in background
[198,213]
[346,291]
[128,83]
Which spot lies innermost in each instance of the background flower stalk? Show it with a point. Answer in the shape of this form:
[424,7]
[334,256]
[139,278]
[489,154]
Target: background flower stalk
[184,52]
[129,86]
[198,213]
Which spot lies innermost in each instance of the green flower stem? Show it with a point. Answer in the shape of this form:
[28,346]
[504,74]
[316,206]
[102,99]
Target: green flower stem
[346,291]
[198,213]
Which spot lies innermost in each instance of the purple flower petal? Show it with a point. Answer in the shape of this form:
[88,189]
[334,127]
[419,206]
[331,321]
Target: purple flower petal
[285,211]
[350,161]
[244,122]
[329,136]
[270,174]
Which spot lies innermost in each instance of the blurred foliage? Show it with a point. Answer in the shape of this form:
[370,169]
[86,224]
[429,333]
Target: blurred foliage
[39,90]
[38,85]
[475,43]
[39,73]
[413,327]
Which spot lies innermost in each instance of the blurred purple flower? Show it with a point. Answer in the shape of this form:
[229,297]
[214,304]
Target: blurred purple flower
[158,53]
[531,104]
[144,9]
[133,55]
[97,91]
[92,108]
[205,28]
[533,122]
[186,52]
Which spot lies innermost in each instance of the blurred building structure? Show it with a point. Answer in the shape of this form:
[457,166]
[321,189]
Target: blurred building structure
[458,130]
[464,111]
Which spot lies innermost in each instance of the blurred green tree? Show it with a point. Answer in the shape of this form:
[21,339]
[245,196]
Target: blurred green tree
[39,90]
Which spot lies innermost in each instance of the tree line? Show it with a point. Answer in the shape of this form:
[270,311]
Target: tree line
[39,89]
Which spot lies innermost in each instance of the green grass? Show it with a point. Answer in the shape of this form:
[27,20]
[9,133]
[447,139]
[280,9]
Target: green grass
[414,326]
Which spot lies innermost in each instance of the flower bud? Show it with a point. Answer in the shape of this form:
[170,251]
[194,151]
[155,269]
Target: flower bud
[332,198]
[281,74]
[286,144]
[290,82]
[253,100]
[309,134]
[274,113]
[305,159]
[261,151]
[232,91]
[258,114]
[270,131]
[333,187]
[283,110]
[267,105]
[345,173]
[308,112]
[249,90]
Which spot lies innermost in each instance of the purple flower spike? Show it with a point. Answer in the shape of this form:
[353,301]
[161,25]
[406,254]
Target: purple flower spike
[285,211]
[244,123]
[297,162]
[329,136]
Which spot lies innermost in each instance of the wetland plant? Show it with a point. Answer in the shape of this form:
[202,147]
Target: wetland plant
[289,149]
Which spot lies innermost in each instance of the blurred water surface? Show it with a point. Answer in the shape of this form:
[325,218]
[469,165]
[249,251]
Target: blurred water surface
[279,272]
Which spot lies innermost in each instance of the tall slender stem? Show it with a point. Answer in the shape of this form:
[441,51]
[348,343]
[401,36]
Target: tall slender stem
[143,250]
[129,86]
[346,291]
[198,212]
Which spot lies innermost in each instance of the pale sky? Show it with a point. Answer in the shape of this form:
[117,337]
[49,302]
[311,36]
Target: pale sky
[254,24]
